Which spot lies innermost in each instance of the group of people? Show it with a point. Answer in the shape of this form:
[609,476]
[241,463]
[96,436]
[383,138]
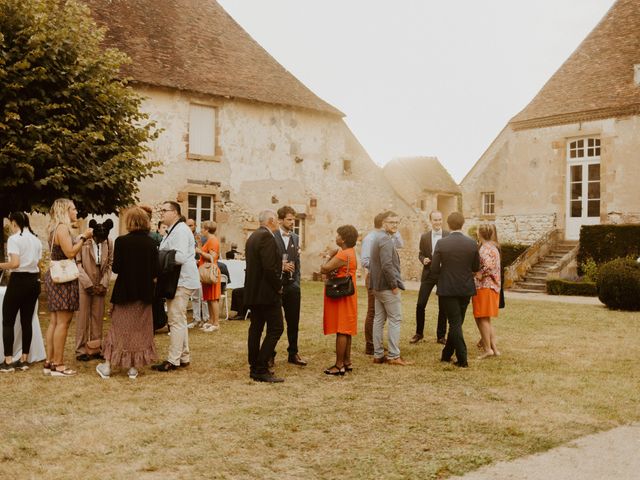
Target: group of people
[460,268]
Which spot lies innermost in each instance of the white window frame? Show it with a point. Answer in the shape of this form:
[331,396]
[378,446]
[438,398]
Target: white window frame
[203,141]
[195,213]
[299,229]
[582,153]
[488,203]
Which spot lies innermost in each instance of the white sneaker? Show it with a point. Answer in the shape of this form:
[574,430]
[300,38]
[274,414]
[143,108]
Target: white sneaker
[208,328]
[133,373]
[103,370]
[194,324]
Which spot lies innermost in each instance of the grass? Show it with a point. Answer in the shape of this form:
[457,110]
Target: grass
[566,371]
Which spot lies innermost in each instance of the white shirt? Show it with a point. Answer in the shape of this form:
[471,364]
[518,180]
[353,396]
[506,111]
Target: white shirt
[181,240]
[286,236]
[28,248]
[435,236]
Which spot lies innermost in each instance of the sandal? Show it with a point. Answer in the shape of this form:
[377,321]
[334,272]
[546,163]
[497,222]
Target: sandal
[348,367]
[46,368]
[65,372]
[337,371]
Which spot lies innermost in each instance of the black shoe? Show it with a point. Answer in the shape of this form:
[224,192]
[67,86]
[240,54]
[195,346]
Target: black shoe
[297,360]
[165,366]
[96,356]
[20,365]
[445,360]
[416,338]
[442,340]
[266,377]
[184,364]
[461,364]
[6,367]
[83,357]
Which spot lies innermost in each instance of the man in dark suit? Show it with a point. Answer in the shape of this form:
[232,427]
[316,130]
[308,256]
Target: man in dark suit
[455,260]
[428,243]
[288,244]
[263,295]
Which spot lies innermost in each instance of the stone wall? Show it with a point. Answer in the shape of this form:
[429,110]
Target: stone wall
[523,229]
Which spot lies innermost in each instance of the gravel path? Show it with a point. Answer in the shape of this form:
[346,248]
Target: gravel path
[614,454]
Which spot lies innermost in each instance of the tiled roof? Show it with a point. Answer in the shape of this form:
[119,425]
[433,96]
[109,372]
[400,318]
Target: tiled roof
[411,176]
[597,80]
[195,45]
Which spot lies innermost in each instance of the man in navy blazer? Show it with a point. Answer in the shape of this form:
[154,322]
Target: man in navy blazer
[262,294]
[428,242]
[288,244]
[455,260]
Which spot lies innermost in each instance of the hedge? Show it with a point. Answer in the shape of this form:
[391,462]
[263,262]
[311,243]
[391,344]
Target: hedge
[558,286]
[607,242]
[619,284]
[510,251]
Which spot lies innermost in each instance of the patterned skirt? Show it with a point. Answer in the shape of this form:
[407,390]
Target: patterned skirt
[62,296]
[129,341]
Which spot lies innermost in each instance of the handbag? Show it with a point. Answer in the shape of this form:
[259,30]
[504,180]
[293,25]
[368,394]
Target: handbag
[63,271]
[341,286]
[209,273]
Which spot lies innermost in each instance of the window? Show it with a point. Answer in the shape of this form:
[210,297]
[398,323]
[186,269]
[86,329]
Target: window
[585,148]
[488,203]
[346,167]
[200,209]
[298,228]
[202,132]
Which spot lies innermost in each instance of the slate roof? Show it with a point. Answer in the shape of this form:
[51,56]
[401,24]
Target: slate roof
[597,80]
[195,45]
[410,176]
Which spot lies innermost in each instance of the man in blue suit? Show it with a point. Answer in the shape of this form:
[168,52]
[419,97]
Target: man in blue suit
[288,243]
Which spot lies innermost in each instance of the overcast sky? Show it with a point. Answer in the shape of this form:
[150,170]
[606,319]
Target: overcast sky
[422,77]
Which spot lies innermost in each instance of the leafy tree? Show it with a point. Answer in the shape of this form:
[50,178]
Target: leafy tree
[69,124]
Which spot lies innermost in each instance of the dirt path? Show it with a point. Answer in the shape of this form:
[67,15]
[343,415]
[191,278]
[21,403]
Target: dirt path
[606,455]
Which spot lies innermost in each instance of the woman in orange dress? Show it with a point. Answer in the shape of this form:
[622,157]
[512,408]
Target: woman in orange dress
[341,314]
[210,252]
[487,298]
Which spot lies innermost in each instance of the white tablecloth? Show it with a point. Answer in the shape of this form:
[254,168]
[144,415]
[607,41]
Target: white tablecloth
[236,272]
[36,352]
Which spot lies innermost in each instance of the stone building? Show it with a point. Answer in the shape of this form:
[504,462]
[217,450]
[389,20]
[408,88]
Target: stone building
[241,133]
[570,157]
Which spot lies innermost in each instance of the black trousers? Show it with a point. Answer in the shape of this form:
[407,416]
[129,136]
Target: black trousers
[21,296]
[455,309]
[426,288]
[259,355]
[291,305]
[237,302]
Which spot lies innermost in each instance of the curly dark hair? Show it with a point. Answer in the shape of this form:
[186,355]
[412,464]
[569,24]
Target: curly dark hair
[349,234]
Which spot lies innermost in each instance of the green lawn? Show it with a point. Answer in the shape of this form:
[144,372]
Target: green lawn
[565,371]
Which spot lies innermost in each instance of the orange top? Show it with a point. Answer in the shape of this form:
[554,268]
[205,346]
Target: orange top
[211,291]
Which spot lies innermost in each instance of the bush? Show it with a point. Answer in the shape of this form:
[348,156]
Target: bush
[590,270]
[557,286]
[619,284]
[509,252]
[607,242]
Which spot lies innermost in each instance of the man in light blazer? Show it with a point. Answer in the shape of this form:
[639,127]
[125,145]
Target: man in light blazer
[288,243]
[455,260]
[428,243]
[386,282]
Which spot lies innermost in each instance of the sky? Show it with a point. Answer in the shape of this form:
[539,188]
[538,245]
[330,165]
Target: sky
[422,77]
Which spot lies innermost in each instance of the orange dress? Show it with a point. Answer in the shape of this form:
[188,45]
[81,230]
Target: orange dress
[341,314]
[211,291]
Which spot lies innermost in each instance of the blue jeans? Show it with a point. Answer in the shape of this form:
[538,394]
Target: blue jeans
[388,307]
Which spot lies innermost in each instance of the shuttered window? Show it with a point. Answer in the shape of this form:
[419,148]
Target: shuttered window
[202,131]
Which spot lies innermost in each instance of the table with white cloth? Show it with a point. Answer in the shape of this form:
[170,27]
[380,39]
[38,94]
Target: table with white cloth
[236,272]
[36,352]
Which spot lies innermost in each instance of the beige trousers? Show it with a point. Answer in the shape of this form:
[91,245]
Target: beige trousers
[177,313]
[90,315]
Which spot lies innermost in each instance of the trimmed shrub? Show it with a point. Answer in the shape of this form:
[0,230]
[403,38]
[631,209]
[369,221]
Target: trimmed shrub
[558,286]
[607,242]
[619,284]
[509,252]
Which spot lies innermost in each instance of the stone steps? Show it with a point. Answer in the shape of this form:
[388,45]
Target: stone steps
[536,279]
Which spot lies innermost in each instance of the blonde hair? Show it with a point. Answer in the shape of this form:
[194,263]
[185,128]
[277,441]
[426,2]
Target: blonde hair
[488,233]
[137,220]
[59,213]
[210,226]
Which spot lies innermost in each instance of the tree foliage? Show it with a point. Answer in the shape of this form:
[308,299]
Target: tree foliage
[69,124]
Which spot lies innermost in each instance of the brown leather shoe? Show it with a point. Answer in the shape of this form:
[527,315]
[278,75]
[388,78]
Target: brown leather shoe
[416,338]
[297,360]
[399,361]
[380,360]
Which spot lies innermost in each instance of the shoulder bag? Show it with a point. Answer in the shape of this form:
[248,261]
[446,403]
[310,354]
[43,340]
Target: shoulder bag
[341,286]
[62,271]
[209,273]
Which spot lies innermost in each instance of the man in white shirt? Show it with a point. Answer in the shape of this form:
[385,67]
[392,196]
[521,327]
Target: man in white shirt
[428,243]
[179,238]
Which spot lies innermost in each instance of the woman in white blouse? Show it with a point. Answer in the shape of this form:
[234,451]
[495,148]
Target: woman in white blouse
[24,250]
